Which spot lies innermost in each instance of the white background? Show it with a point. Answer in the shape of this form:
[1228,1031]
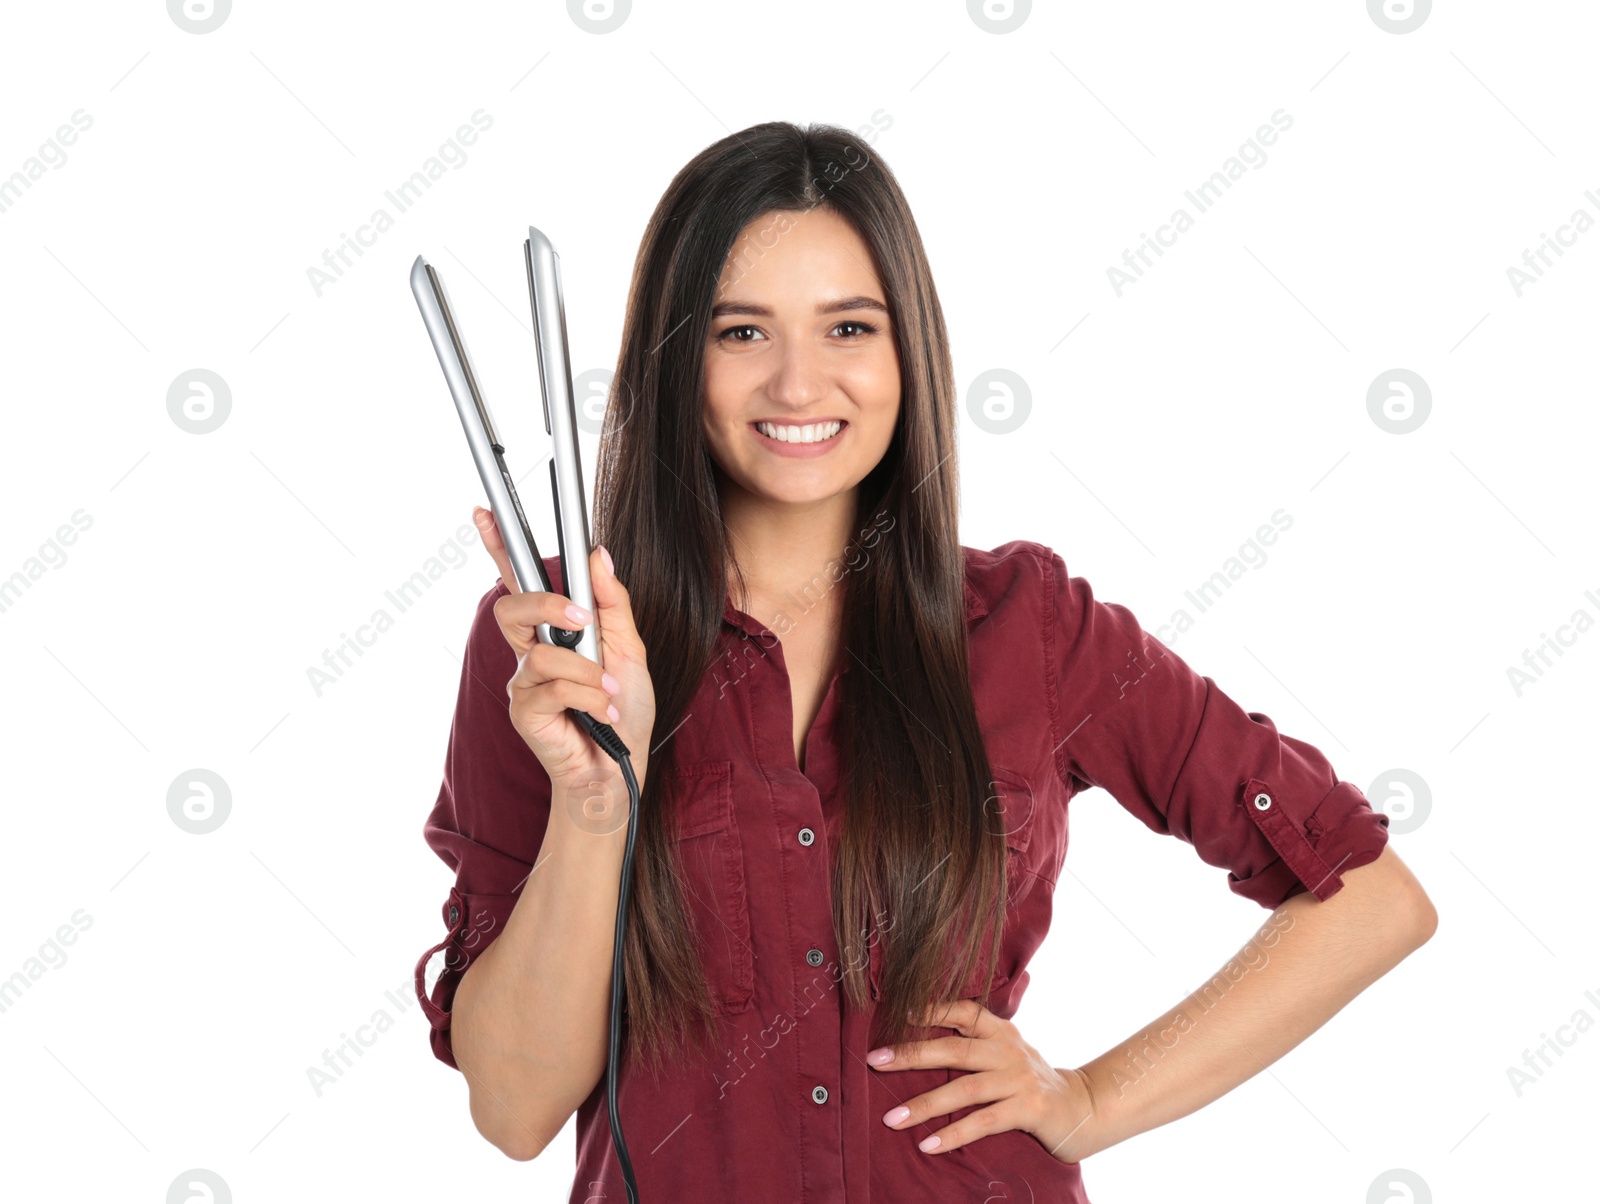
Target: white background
[1166,425]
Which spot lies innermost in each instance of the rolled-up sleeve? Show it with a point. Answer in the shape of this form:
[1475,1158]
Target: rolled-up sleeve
[1132,717]
[488,822]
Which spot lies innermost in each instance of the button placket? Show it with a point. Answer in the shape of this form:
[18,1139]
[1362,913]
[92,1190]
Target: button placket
[801,797]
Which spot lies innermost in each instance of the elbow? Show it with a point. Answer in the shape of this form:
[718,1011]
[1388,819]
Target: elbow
[520,1139]
[1389,900]
[519,1147]
[518,1109]
[1422,917]
[1406,917]
[514,1128]
[518,1151]
[519,1102]
[1413,912]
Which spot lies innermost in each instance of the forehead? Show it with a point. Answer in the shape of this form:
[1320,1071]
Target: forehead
[798,257]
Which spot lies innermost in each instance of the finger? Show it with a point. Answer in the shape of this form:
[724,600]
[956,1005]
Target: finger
[489,530]
[962,1052]
[543,663]
[519,616]
[967,1091]
[553,680]
[999,1117]
[966,1016]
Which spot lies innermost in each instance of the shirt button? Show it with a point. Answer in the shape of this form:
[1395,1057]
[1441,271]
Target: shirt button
[455,915]
[1263,801]
[819,1095]
[807,836]
[814,956]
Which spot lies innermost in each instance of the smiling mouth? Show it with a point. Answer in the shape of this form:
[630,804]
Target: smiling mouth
[816,432]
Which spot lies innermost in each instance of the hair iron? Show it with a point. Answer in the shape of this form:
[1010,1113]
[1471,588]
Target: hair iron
[572,534]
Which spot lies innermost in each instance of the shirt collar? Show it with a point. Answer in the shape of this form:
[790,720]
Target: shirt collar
[975,609]
[976,606]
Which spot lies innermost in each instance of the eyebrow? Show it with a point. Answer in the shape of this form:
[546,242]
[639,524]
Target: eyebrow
[826,307]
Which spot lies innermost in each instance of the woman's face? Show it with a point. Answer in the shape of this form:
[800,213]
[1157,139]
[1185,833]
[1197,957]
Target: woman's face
[800,338]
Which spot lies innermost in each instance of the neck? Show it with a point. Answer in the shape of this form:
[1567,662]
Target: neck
[786,550]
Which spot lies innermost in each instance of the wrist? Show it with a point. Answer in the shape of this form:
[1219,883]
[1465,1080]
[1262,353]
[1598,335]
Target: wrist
[593,809]
[1102,1127]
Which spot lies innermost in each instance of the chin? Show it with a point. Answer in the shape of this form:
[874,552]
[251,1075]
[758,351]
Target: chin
[793,492]
[799,497]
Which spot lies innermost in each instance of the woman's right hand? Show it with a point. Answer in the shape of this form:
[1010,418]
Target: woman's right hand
[549,680]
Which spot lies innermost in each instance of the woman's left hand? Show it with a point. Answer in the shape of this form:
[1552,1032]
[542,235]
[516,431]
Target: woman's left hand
[1021,1089]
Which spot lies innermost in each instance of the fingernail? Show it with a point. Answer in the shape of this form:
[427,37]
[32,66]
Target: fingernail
[610,684]
[895,1115]
[879,1056]
[577,614]
[612,711]
[928,1145]
[606,556]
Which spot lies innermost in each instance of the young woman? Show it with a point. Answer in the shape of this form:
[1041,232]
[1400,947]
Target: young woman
[856,741]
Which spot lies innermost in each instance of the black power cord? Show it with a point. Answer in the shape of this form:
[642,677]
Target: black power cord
[604,735]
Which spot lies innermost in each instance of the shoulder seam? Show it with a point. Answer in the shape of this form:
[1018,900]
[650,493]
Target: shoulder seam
[1047,646]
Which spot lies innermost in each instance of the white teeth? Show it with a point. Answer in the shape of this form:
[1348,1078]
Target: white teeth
[814,433]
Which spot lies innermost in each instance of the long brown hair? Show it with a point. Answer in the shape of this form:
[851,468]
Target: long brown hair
[917,859]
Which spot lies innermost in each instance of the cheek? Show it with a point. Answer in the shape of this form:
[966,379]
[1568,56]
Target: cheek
[876,389]
[716,438]
[714,412]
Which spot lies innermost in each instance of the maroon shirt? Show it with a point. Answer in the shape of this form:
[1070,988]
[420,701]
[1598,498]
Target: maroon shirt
[1071,693]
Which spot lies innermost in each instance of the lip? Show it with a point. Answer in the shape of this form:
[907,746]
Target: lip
[800,451]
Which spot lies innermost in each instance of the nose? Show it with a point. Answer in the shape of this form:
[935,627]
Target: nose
[799,375]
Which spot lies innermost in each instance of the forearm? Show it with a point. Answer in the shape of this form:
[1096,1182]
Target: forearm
[530,1019]
[1305,963]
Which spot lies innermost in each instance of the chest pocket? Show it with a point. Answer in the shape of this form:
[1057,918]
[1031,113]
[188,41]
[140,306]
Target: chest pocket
[1009,809]
[711,861]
